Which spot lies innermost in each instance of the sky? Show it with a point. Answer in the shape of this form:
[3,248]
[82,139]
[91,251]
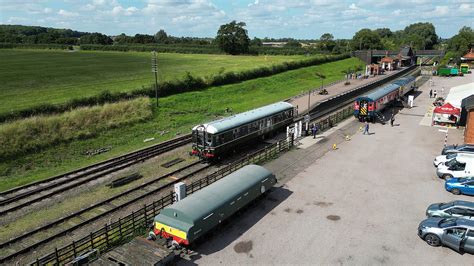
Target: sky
[300,19]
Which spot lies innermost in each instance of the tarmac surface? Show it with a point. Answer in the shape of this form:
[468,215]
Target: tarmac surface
[359,204]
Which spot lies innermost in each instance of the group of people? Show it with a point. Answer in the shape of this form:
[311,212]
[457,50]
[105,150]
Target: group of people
[434,92]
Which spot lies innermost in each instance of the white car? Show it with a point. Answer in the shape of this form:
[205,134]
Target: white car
[460,167]
[441,159]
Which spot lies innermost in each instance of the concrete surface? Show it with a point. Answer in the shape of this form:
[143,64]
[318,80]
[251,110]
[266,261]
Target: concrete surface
[359,205]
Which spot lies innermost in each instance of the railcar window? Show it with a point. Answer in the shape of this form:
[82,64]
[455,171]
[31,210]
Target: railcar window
[208,138]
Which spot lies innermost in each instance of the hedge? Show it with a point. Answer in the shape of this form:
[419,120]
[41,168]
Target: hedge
[167,88]
[35,46]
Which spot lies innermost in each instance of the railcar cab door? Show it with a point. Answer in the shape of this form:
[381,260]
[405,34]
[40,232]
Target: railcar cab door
[363,108]
[199,136]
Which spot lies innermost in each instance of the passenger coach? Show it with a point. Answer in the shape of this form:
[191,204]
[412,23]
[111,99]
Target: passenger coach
[215,138]
[366,107]
[192,217]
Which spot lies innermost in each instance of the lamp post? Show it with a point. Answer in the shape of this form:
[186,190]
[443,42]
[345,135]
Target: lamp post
[154,69]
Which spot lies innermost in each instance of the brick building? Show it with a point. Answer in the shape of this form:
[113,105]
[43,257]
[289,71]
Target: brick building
[467,115]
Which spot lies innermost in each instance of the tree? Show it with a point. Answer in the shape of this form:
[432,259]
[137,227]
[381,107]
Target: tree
[326,42]
[292,43]
[425,32]
[232,38]
[256,42]
[366,39]
[462,41]
[123,39]
[96,38]
[161,37]
[143,38]
[384,32]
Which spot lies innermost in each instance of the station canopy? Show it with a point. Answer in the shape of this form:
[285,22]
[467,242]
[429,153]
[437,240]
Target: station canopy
[458,93]
[447,109]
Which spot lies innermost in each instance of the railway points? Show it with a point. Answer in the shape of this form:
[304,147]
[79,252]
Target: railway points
[359,205]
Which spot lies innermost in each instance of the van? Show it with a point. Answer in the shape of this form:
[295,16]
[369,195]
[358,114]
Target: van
[458,167]
[445,158]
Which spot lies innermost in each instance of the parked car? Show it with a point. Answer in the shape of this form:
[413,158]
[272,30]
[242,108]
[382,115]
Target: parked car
[459,186]
[458,208]
[456,233]
[465,148]
[446,158]
[458,167]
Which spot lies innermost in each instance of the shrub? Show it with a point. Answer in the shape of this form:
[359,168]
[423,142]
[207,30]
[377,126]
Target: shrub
[21,136]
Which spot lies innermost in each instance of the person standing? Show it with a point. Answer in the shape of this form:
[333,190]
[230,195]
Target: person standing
[434,93]
[431,93]
[314,131]
[366,128]
[392,119]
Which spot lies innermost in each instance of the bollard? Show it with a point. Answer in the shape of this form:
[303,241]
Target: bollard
[334,146]
[348,138]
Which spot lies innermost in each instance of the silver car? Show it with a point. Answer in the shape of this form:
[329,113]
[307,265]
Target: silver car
[464,148]
[455,233]
[458,209]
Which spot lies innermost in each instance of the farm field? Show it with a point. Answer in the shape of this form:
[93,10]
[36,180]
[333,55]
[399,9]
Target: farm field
[32,77]
[177,114]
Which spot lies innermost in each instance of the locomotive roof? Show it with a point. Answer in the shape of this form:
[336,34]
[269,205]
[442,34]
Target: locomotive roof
[244,118]
[185,213]
[388,88]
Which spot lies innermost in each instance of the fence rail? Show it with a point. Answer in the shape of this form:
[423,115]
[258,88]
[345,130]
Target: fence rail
[110,235]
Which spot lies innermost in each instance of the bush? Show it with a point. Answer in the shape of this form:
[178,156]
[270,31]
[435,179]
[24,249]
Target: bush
[35,46]
[37,132]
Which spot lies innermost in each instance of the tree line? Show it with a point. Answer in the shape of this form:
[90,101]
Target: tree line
[232,38]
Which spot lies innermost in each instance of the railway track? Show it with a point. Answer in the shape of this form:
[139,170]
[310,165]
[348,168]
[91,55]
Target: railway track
[22,196]
[58,228]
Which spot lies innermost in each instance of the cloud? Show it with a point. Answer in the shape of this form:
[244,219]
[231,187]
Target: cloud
[65,13]
[119,10]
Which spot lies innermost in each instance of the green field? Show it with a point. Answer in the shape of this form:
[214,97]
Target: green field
[32,77]
[177,113]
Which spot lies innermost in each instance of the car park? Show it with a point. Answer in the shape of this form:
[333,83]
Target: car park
[465,148]
[446,158]
[458,208]
[458,167]
[459,186]
[456,233]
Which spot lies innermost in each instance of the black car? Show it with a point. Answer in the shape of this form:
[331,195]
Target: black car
[465,148]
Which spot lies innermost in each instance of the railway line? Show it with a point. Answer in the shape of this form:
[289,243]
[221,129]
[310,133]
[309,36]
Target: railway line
[20,197]
[23,196]
[48,232]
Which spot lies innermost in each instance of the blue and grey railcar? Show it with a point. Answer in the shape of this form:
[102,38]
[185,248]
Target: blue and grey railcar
[211,140]
[366,107]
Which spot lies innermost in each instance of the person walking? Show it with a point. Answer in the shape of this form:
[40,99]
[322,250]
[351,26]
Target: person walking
[431,93]
[434,93]
[366,128]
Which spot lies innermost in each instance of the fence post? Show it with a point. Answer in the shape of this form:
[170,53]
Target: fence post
[107,235]
[92,241]
[57,255]
[73,249]
[144,212]
[133,220]
[120,227]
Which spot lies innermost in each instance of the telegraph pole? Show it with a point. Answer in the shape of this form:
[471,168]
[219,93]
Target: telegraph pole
[154,69]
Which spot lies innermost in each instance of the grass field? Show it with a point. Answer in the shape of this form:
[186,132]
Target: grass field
[33,77]
[177,113]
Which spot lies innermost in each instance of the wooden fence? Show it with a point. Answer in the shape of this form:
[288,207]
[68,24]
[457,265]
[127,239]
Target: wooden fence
[136,223]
